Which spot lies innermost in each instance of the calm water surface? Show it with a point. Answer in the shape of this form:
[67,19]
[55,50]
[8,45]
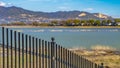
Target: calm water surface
[77,37]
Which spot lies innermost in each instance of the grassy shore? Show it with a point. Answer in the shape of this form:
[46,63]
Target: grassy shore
[62,26]
[110,58]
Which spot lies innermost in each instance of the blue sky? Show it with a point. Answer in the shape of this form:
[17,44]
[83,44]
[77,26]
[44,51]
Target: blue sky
[109,7]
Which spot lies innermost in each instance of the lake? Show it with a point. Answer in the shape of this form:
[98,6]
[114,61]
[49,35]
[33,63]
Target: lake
[77,37]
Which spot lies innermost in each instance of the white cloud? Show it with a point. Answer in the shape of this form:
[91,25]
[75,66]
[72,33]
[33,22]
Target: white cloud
[64,8]
[2,4]
[49,0]
[88,9]
[5,4]
[42,0]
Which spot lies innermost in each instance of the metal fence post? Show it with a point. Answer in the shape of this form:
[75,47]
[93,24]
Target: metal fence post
[52,52]
[30,51]
[15,44]
[36,53]
[22,50]
[3,45]
[11,43]
[101,66]
[42,54]
[39,53]
[19,49]
[26,38]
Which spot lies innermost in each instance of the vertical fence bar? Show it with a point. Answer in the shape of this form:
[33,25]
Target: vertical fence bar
[70,59]
[19,50]
[26,51]
[65,58]
[89,63]
[22,50]
[40,53]
[95,65]
[86,63]
[33,52]
[52,52]
[15,44]
[48,54]
[78,61]
[58,56]
[11,43]
[73,60]
[92,65]
[7,40]
[36,53]
[62,57]
[3,45]
[82,62]
[45,54]
[30,52]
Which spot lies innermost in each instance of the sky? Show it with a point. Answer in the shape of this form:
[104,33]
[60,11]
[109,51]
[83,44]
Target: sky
[108,7]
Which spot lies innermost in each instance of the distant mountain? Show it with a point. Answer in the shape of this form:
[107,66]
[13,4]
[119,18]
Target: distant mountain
[17,12]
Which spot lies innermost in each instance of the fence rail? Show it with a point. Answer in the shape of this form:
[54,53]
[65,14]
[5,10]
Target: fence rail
[19,50]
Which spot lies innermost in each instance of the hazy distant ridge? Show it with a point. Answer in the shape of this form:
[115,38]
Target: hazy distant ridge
[17,12]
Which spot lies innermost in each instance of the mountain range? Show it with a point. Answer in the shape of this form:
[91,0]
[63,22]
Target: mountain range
[14,12]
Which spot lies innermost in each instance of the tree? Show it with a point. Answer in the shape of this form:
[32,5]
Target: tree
[54,22]
[35,23]
[104,22]
[69,22]
[91,21]
[63,23]
[76,22]
[97,23]
[117,20]
[83,22]
[109,21]
[17,23]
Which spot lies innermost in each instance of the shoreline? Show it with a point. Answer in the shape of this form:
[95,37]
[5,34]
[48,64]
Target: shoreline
[61,26]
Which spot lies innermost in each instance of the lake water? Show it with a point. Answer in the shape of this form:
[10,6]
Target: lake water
[77,37]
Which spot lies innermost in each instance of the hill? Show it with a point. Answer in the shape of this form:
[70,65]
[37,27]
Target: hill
[14,13]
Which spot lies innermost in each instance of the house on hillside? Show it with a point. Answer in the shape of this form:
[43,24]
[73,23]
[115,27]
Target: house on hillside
[118,23]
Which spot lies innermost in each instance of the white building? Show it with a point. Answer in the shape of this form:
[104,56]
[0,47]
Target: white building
[118,23]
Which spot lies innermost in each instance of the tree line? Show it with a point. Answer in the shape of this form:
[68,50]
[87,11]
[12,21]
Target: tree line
[71,22]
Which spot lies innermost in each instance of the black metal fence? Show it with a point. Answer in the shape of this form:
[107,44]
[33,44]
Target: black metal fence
[19,50]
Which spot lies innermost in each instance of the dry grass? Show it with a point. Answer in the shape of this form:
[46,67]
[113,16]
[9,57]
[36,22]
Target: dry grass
[33,63]
[109,58]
